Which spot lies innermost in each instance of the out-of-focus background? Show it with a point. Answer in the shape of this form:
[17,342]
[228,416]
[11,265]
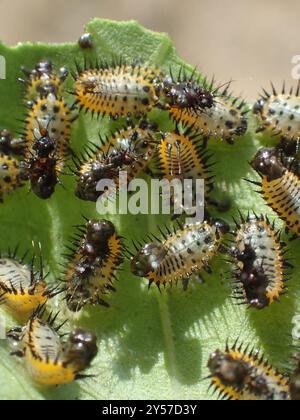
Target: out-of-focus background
[250,41]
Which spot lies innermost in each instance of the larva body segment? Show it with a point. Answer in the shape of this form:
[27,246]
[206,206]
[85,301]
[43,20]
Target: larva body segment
[54,116]
[240,375]
[225,120]
[22,289]
[128,150]
[179,255]
[50,360]
[10,175]
[119,90]
[279,187]
[259,256]
[93,263]
[182,157]
[43,80]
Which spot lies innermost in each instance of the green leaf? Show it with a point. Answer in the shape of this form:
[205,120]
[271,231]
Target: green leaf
[152,345]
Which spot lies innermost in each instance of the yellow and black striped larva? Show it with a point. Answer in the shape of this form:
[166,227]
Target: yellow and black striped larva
[280,187]
[50,358]
[225,120]
[23,288]
[239,374]
[96,255]
[11,175]
[117,90]
[183,156]
[279,113]
[43,80]
[9,145]
[180,254]
[53,115]
[129,150]
[261,265]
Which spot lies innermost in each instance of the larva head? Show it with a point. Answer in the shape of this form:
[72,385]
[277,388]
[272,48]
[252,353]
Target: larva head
[97,236]
[221,226]
[185,94]
[148,259]
[267,163]
[81,348]
[229,371]
[44,146]
[45,67]
[43,80]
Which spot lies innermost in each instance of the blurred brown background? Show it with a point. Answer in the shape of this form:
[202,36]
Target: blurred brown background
[250,41]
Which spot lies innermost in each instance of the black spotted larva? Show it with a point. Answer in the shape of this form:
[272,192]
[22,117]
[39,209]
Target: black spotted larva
[239,374]
[184,156]
[179,255]
[93,262]
[129,150]
[260,262]
[226,119]
[22,288]
[117,90]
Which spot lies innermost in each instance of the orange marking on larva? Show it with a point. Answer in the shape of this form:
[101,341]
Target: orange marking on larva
[182,156]
[280,188]
[241,375]
[259,256]
[92,267]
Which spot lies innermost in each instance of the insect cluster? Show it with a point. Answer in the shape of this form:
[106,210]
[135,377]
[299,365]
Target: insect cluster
[199,111]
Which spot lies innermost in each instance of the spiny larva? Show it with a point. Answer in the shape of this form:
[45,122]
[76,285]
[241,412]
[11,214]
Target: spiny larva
[279,113]
[180,254]
[95,257]
[260,261]
[241,375]
[118,89]
[43,80]
[129,150]
[50,358]
[280,187]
